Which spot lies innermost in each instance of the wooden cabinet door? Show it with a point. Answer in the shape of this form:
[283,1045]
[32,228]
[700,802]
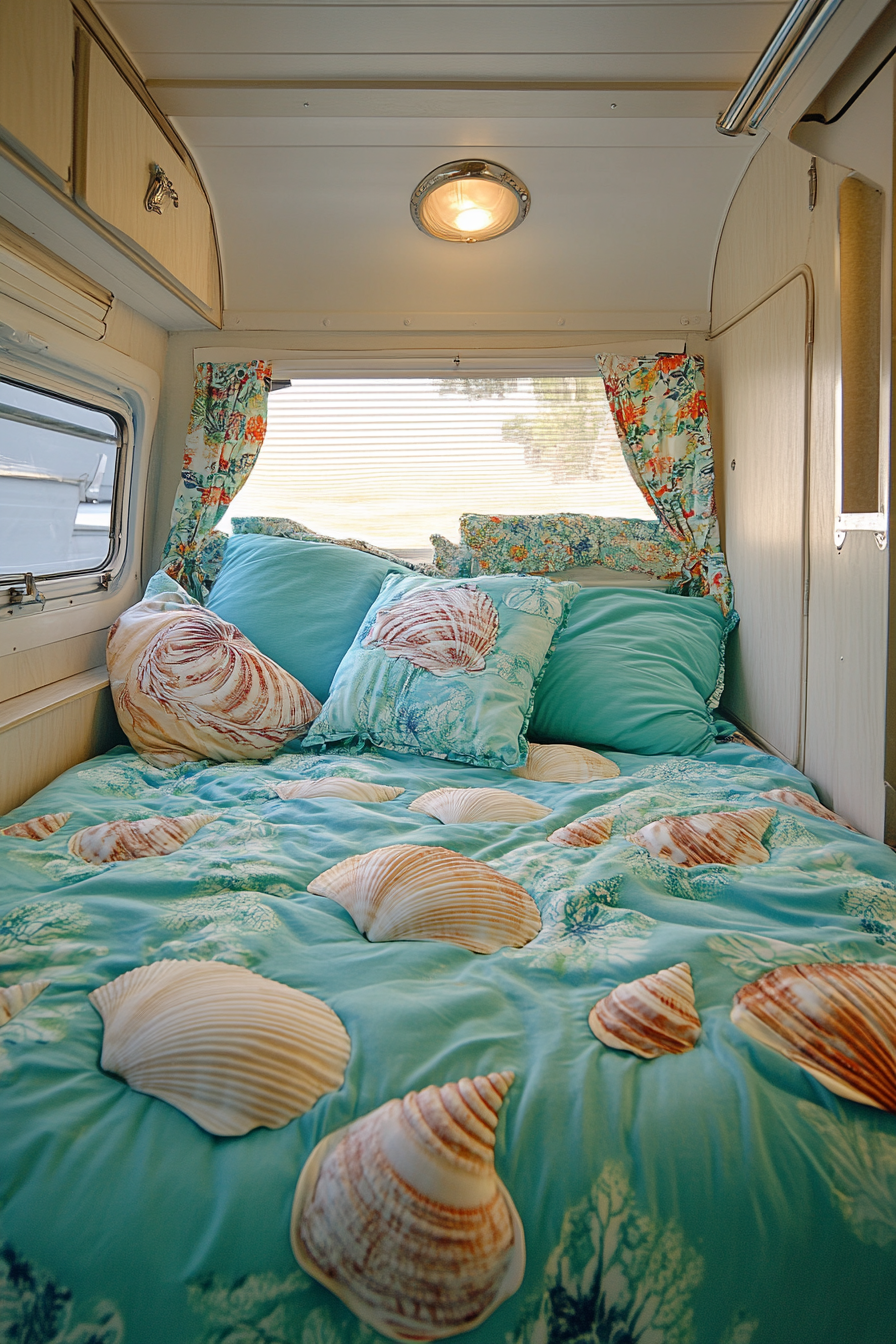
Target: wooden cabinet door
[37,41]
[121,143]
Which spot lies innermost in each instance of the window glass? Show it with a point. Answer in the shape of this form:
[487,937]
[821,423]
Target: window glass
[393,460]
[58,459]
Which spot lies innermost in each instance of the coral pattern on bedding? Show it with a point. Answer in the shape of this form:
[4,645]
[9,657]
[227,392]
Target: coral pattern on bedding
[659,406]
[722,1195]
[227,425]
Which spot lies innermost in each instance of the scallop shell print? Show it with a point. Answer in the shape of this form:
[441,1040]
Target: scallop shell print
[403,1217]
[188,686]
[709,837]
[16,997]
[651,1016]
[583,832]
[837,1021]
[418,892]
[443,630]
[472,805]
[795,798]
[337,786]
[231,1049]
[38,828]
[560,763]
[112,841]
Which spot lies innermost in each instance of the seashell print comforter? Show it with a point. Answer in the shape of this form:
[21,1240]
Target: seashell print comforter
[718,1196]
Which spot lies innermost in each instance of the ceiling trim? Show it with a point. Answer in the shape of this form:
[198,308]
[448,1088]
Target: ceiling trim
[473,323]
[512,85]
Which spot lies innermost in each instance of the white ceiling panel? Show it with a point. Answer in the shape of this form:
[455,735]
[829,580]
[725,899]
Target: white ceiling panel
[312,123]
[335,231]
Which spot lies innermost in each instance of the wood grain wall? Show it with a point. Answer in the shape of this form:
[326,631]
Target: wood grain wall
[770,232]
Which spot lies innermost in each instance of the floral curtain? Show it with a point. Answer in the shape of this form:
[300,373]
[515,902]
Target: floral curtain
[226,430]
[659,406]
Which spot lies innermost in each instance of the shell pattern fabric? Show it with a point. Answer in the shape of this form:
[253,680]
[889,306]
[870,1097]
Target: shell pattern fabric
[708,837]
[37,828]
[231,1049]
[402,1215]
[653,1016]
[444,630]
[561,763]
[337,786]
[419,892]
[112,841]
[13,998]
[584,832]
[475,805]
[187,686]
[837,1021]
[796,798]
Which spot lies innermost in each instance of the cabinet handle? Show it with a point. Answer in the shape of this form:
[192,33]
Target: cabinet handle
[160,191]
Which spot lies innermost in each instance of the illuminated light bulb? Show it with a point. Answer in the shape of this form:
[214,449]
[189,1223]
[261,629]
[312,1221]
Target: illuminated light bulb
[472,219]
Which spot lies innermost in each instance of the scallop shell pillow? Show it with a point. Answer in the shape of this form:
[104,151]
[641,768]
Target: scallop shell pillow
[447,668]
[188,686]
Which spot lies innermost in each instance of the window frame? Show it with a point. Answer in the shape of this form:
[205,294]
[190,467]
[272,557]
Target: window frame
[70,585]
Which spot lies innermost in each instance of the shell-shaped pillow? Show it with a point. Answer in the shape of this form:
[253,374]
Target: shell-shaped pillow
[231,1049]
[418,892]
[187,687]
[561,763]
[708,837]
[474,805]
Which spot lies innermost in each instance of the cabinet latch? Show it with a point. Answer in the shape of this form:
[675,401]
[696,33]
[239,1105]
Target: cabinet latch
[160,191]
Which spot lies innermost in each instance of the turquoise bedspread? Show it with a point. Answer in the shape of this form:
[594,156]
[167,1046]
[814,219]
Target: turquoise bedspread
[717,1197]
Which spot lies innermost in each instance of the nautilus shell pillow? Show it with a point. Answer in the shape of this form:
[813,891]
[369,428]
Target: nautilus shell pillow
[188,686]
[447,668]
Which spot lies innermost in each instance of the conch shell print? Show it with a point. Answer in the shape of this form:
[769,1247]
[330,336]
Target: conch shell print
[231,1049]
[708,837]
[187,686]
[402,1215]
[113,841]
[38,828]
[583,833]
[796,798]
[652,1016]
[837,1021]
[443,630]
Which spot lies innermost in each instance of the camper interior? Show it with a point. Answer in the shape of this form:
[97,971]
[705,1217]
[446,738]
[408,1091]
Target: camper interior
[447,720]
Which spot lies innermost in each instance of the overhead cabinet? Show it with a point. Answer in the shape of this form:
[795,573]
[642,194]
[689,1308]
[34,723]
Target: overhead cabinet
[37,44]
[123,152]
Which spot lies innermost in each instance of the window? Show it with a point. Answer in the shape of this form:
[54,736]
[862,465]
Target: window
[393,460]
[58,464]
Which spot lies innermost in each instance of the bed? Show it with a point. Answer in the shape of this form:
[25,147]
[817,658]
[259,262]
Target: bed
[722,1195]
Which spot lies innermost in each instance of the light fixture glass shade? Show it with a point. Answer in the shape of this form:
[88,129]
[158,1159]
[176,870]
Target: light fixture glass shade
[469,201]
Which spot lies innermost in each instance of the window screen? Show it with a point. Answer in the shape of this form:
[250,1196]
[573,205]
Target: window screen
[393,460]
[57,474]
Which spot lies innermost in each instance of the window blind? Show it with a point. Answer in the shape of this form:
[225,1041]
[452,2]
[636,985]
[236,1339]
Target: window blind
[393,460]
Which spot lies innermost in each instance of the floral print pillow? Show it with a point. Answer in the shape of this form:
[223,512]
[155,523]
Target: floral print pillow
[447,668]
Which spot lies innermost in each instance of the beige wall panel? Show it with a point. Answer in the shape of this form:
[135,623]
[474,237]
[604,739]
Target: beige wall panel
[767,230]
[121,143]
[134,335]
[759,417]
[34,753]
[37,39]
[32,668]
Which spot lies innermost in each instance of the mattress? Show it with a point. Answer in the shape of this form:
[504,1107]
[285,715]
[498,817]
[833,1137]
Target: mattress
[718,1196]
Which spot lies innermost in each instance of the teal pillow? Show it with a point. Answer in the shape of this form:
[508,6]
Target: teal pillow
[633,671]
[299,602]
[447,668]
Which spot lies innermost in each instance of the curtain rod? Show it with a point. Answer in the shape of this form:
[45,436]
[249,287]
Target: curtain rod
[801,27]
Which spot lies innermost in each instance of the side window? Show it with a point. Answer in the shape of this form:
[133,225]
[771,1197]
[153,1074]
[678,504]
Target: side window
[59,460]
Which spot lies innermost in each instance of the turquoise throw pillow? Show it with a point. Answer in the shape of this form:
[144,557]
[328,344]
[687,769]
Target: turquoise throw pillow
[633,671]
[447,668]
[300,602]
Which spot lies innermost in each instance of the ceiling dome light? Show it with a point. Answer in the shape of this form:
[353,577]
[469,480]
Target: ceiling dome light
[469,201]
